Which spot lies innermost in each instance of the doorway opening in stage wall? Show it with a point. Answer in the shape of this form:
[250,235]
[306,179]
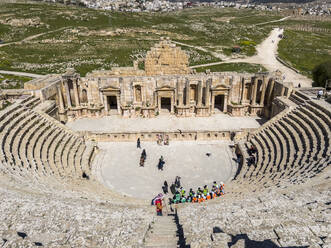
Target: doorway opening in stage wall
[219,103]
[112,104]
[165,104]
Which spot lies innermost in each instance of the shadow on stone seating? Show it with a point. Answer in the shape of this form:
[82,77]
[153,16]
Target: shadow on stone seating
[261,120]
[249,243]
[180,232]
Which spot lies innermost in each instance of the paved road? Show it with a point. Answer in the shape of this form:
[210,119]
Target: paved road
[24,74]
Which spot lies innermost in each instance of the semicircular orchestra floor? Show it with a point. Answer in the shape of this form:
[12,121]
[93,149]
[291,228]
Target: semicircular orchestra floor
[120,170]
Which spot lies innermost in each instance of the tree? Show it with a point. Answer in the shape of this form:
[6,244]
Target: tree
[321,73]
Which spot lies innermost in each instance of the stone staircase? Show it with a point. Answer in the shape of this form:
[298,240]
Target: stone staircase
[162,233]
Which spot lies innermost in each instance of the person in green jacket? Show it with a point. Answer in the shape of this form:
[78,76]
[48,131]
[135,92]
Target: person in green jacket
[205,191]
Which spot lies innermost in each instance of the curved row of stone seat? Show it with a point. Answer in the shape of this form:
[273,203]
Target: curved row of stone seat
[68,218]
[293,146]
[33,144]
[277,218]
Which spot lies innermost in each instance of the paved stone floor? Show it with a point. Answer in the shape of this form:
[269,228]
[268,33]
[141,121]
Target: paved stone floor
[121,172]
[164,123]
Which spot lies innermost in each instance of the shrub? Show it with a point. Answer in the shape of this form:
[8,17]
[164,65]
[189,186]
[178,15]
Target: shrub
[321,73]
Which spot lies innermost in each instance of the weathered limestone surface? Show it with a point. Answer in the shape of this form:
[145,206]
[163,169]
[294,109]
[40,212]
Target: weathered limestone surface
[68,219]
[50,196]
[291,218]
[167,84]
[165,58]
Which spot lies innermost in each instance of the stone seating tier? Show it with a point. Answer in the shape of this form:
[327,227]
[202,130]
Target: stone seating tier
[34,144]
[292,149]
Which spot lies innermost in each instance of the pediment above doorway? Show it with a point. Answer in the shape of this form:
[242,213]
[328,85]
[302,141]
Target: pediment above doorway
[165,88]
[109,89]
[222,87]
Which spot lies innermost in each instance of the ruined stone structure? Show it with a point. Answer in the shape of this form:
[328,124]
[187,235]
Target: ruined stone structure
[50,191]
[166,85]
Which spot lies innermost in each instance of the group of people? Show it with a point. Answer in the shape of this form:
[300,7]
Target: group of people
[143,157]
[180,196]
[160,140]
[202,194]
[251,152]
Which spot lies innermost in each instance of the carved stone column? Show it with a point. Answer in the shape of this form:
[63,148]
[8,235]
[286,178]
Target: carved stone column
[243,90]
[68,94]
[61,104]
[159,103]
[105,103]
[118,100]
[212,101]
[199,103]
[225,108]
[187,85]
[271,88]
[172,102]
[76,92]
[101,98]
[180,98]
[207,94]
[264,86]
[254,88]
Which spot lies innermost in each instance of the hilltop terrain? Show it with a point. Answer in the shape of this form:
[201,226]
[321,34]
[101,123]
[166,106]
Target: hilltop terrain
[44,38]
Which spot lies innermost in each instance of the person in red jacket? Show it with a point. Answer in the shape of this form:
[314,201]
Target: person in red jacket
[158,204]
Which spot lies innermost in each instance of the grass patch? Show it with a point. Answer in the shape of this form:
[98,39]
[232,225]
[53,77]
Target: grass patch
[84,45]
[237,67]
[15,82]
[305,50]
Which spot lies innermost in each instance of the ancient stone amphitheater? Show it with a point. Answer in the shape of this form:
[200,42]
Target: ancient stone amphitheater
[51,197]
[283,201]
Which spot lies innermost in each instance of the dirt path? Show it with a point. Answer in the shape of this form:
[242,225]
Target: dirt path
[216,55]
[31,37]
[23,74]
[266,56]
[280,20]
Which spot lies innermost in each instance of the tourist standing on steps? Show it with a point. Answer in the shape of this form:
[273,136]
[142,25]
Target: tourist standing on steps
[138,143]
[158,204]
